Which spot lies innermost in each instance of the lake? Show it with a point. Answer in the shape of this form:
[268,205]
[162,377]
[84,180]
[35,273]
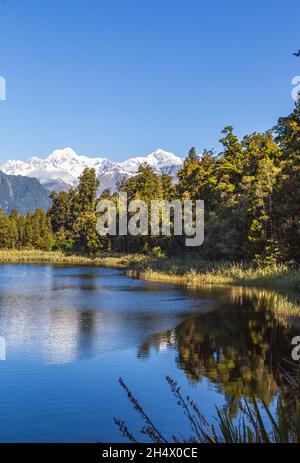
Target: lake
[71,332]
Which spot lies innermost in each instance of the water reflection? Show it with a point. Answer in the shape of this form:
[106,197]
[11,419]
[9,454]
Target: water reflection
[70,332]
[66,314]
[239,347]
[236,338]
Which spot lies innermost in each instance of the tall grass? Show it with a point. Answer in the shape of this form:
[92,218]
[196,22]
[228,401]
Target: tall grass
[252,427]
[35,256]
[196,273]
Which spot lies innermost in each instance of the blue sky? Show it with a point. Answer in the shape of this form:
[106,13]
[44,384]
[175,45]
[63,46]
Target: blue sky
[122,78]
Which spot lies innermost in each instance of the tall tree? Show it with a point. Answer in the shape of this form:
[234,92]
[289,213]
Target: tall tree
[287,190]
[190,163]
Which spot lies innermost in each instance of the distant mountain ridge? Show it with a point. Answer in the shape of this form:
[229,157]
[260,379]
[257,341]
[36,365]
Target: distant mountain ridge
[61,169]
[22,193]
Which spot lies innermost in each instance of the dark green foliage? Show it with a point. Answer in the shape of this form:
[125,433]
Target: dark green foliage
[287,189]
[146,185]
[32,231]
[73,216]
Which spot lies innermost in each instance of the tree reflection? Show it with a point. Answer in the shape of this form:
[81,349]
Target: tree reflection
[239,346]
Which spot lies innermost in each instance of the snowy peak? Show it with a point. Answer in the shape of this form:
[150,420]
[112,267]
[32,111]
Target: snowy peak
[158,160]
[66,153]
[67,157]
[61,169]
[164,156]
[62,156]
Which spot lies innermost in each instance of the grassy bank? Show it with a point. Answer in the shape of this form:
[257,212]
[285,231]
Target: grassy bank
[196,273]
[33,256]
[188,272]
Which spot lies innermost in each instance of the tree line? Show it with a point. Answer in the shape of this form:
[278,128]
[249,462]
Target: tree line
[31,231]
[251,192]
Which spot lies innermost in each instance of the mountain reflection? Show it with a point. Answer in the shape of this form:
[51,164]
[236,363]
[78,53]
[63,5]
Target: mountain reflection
[235,338]
[73,313]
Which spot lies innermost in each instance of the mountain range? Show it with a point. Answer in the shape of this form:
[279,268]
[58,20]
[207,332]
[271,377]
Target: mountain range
[62,168]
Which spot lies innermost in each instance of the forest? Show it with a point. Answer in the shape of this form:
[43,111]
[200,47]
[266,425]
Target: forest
[251,192]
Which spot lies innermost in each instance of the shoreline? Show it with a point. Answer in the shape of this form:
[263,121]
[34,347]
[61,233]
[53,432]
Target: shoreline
[281,283]
[185,272]
[33,256]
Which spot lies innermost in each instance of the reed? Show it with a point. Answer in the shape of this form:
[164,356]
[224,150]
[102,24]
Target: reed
[283,426]
[195,273]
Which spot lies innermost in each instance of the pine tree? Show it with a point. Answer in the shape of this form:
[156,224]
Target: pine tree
[13,228]
[4,230]
[28,231]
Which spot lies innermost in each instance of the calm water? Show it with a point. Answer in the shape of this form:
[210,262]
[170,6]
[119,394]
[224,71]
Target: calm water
[71,332]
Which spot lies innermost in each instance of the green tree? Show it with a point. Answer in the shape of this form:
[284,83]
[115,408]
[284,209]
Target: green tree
[87,240]
[287,190]
[42,236]
[260,173]
[85,200]
[28,230]
[190,164]
[60,210]
[4,230]
[146,185]
[14,218]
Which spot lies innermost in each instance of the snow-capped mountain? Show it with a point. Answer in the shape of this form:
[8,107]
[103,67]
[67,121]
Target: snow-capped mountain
[61,169]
